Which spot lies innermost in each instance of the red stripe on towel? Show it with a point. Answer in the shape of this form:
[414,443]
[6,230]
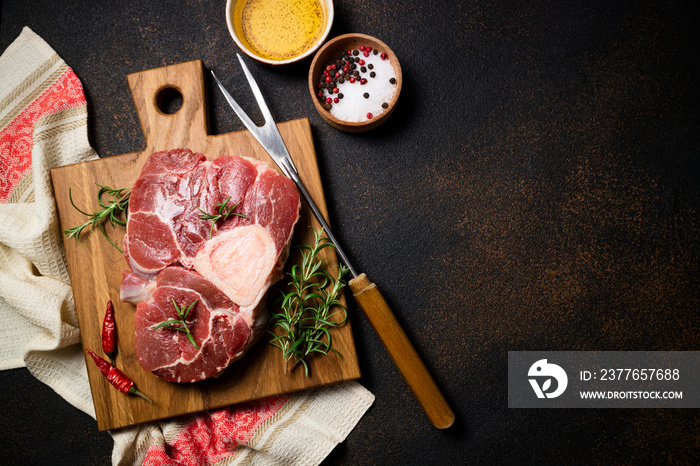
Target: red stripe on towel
[212,436]
[16,138]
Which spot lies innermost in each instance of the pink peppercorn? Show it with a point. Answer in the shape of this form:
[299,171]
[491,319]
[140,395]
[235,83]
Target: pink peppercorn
[329,100]
[369,115]
[352,79]
[383,56]
[336,100]
[361,62]
[365,53]
[328,79]
[363,81]
[362,48]
[368,49]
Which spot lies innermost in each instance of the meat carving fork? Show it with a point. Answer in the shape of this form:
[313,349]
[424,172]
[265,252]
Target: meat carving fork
[365,292]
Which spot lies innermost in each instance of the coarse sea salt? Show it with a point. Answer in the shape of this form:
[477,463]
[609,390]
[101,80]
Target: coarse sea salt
[359,101]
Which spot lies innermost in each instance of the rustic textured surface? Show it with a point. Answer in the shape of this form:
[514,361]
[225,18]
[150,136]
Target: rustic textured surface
[535,189]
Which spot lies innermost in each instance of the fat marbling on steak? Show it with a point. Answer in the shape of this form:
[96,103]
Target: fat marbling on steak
[174,255]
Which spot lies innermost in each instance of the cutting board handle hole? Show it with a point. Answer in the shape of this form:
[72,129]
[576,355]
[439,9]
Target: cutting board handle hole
[169,100]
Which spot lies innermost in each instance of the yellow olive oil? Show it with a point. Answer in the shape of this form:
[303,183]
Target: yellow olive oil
[279,29]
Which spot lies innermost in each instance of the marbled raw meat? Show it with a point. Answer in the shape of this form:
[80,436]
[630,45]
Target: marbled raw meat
[173,254]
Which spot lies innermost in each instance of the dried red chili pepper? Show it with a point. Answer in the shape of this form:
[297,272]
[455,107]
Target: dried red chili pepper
[116,377]
[109,332]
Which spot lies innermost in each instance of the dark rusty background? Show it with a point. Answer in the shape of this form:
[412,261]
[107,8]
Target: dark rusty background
[536,189]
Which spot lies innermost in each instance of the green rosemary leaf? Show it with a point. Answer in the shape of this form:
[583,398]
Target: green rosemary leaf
[306,367]
[166,323]
[179,324]
[312,297]
[308,311]
[104,233]
[223,214]
[188,309]
[177,308]
[70,197]
[116,204]
[75,231]
[191,338]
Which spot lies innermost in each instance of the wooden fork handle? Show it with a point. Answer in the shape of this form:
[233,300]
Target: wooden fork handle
[402,351]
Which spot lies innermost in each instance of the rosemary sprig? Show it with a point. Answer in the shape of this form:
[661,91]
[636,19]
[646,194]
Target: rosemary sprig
[179,324]
[309,310]
[224,213]
[117,203]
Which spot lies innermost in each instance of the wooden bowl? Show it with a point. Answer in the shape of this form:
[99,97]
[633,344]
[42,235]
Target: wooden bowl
[333,49]
[329,11]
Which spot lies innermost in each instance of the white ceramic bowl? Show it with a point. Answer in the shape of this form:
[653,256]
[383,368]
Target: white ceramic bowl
[330,13]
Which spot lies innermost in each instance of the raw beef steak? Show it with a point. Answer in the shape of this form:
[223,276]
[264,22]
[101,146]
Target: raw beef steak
[226,267]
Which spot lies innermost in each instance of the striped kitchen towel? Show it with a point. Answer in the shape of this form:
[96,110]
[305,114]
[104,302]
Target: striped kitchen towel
[43,125]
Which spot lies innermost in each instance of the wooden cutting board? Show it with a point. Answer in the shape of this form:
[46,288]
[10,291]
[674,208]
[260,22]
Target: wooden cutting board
[96,267]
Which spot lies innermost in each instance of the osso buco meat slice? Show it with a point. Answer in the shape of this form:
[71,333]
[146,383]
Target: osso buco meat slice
[225,268]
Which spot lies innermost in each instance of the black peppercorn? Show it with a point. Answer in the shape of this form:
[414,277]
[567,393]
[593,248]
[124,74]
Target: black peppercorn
[341,80]
[366,95]
[370,66]
[372,74]
[385,105]
[375,51]
[340,96]
[363,69]
[392,80]
[356,52]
